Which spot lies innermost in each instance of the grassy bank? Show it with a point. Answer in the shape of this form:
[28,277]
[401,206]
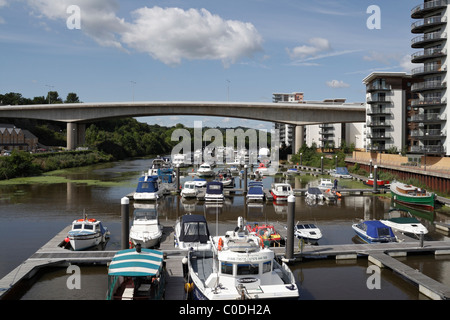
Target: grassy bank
[23,164]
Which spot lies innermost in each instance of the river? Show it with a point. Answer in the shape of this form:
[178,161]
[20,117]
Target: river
[31,214]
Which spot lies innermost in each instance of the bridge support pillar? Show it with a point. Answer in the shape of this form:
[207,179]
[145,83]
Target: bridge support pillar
[76,134]
[299,138]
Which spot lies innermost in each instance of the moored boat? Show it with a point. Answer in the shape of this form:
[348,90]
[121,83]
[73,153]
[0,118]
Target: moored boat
[314,193]
[205,170]
[148,188]
[308,232]
[189,190]
[214,191]
[413,196]
[255,193]
[403,221]
[191,232]
[281,191]
[266,232]
[136,274]
[374,231]
[146,229]
[87,233]
[325,184]
[238,267]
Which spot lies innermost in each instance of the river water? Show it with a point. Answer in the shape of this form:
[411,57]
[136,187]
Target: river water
[32,214]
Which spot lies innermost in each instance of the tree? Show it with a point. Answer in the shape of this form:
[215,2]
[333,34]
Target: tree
[72,98]
[53,97]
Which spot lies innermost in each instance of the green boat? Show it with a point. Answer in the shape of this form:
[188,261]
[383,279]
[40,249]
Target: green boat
[412,196]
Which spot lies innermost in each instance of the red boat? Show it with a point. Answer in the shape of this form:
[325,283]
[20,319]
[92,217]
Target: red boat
[380,183]
[266,232]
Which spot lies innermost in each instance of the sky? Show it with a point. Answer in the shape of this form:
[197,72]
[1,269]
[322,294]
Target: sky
[201,50]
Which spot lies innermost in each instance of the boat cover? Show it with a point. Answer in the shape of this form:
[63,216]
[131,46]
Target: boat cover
[342,171]
[194,228]
[214,187]
[255,183]
[133,264]
[255,190]
[376,229]
[147,184]
[314,191]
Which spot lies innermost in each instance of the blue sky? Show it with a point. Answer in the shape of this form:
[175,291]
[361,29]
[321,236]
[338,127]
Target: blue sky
[202,50]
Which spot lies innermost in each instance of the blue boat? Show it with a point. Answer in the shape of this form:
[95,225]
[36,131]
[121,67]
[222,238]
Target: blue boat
[374,231]
[148,188]
[255,193]
[214,191]
[136,275]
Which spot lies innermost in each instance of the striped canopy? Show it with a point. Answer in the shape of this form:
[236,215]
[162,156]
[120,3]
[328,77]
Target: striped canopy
[133,264]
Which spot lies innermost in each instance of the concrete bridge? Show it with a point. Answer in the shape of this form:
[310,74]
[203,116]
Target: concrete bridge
[77,115]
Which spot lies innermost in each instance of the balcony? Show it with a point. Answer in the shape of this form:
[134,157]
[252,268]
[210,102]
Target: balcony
[428,102]
[428,69]
[378,111]
[427,38]
[426,54]
[428,85]
[428,149]
[377,123]
[429,117]
[379,99]
[378,87]
[422,25]
[428,134]
[379,136]
[423,9]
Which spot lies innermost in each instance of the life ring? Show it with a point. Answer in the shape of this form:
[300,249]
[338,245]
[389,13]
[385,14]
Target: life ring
[188,287]
[92,220]
[79,220]
[220,244]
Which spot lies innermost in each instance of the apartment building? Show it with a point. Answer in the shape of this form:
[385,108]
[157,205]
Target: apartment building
[389,114]
[16,138]
[286,131]
[431,33]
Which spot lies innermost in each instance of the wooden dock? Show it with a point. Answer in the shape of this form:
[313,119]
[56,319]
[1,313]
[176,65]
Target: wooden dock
[52,255]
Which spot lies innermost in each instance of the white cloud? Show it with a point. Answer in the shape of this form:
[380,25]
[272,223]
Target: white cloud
[315,47]
[406,64]
[166,34]
[337,84]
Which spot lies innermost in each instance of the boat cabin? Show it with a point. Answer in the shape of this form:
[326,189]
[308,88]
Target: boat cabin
[411,190]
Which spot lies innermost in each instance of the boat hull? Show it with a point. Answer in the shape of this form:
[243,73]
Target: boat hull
[82,242]
[363,236]
[425,202]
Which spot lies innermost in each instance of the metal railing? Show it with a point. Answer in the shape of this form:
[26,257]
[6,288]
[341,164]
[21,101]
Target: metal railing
[428,6]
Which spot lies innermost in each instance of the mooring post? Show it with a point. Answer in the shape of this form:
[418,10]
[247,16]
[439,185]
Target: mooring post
[125,212]
[375,178]
[178,178]
[422,236]
[290,229]
[245,178]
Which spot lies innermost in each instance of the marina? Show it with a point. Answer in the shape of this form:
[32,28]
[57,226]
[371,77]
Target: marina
[51,255]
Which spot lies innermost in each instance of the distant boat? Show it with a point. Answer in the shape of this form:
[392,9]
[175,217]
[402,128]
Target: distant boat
[255,193]
[374,231]
[403,221]
[205,170]
[136,275]
[411,195]
[189,190]
[262,169]
[180,161]
[148,188]
[341,172]
[281,191]
[314,193]
[325,184]
[214,191]
[380,183]
[307,231]
[266,232]
[87,233]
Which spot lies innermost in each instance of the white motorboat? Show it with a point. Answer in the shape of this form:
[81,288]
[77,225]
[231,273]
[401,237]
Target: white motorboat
[238,267]
[180,161]
[146,229]
[205,170]
[87,233]
[308,232]
[191,232]
[200,183]
[341,172]
[214,191]
[226,178]
[281,191]
[404,222]
[325,184]
[190,190]
[255,192]
[148,188]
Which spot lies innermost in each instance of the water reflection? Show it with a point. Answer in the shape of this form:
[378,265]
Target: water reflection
[38,212]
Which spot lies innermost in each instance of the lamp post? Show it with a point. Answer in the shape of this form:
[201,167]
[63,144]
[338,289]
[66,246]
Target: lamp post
[321,164]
